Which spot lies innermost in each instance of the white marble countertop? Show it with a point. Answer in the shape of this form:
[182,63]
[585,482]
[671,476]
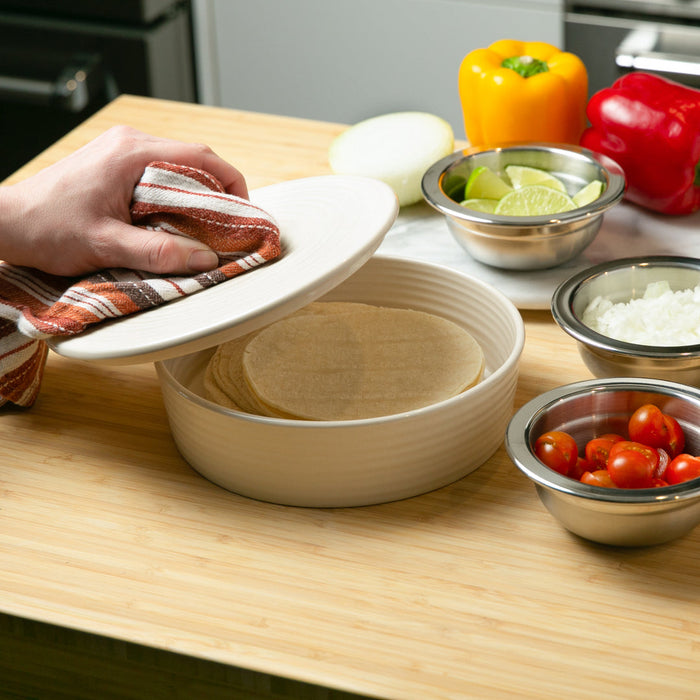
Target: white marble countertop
[627,231]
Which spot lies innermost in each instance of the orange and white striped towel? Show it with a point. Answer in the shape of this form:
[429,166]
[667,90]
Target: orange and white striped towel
[178,199]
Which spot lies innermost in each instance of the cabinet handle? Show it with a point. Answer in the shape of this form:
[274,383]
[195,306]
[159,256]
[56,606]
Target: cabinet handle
[636,52]
[77,84]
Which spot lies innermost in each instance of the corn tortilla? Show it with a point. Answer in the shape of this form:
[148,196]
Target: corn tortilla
[223,378]
[360,363]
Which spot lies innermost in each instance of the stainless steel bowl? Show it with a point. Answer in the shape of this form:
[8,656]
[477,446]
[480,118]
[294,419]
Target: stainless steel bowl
[530,242]
[623,517]
[620,281]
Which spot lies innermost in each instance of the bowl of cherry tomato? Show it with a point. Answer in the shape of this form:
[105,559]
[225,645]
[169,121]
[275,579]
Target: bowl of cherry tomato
[614,460]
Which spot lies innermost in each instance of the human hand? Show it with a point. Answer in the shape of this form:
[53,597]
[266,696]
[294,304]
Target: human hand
[73,217]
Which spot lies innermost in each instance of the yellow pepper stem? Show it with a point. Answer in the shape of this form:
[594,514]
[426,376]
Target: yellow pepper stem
[526,66]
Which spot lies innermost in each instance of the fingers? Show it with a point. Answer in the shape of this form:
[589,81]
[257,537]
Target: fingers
[196,155]
[231,179]
[202,157]
[155,251]
[73,217]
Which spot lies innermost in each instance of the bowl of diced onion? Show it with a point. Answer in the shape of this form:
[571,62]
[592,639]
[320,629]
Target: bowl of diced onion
[635,317]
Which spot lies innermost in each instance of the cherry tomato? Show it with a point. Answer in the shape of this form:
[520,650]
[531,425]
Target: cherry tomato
[682,468]
[558,450]
[612,436]
[647,425]
[598,449]
[652,456]
[599,477]
[632,465]
[664,459]
[676,436]
[580,468]
[650,426]
[650,453]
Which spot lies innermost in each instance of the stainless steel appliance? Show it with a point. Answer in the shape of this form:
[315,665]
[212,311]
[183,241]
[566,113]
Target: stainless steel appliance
[61,61]
[616,36]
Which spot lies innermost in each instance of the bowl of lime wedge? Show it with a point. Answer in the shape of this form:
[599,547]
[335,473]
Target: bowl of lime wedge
[524,206]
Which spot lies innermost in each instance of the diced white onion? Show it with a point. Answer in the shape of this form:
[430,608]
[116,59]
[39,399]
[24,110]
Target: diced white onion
[659,317]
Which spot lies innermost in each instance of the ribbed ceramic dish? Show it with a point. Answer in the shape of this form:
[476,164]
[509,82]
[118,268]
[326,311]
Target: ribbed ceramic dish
[360,462]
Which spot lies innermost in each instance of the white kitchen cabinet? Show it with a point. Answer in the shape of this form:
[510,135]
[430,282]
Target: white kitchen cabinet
[346,61]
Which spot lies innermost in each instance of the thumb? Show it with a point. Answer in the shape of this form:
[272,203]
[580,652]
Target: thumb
[158,252]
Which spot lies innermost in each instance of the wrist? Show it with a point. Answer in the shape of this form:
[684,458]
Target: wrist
[11,224]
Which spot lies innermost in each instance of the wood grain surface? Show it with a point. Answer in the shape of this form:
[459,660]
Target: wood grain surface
[472,591]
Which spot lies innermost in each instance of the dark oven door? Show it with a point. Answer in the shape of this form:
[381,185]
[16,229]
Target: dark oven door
[60,62]
[616,36]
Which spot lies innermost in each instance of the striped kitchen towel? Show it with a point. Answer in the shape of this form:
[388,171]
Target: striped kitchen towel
[178,199]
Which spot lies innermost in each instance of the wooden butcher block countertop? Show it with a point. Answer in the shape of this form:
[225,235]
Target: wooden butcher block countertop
[111,542]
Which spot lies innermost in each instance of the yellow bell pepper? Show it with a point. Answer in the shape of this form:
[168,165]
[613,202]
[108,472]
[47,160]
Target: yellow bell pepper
[523,91]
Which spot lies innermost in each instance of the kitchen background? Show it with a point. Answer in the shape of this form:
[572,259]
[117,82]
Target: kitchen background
[321,59]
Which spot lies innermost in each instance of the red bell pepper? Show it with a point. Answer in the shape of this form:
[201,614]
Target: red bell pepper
[651,127]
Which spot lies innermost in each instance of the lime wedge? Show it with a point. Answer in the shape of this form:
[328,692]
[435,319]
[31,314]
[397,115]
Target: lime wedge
[486,205]
[523,176]
[534,200]
[589,193]
[483,183]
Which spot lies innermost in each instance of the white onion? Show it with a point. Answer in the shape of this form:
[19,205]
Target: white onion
[659,317]
[395,148]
